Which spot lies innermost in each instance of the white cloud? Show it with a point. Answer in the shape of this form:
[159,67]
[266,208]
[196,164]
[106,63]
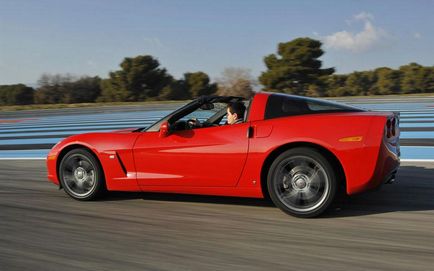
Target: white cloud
[154,42]
[91,63]
[363,16]
[366,39]
[417,35]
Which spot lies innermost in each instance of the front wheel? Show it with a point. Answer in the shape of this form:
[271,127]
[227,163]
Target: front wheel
[81,175]
[301,182]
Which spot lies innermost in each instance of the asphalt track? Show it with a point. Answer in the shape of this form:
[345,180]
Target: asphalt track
[43,229]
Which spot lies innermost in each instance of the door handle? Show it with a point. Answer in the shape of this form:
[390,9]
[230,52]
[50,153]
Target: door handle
[250,132]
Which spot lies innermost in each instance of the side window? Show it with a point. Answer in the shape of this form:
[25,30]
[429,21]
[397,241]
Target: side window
[283,106]
[316,106]
[279,105]
[204,115]
[199,114]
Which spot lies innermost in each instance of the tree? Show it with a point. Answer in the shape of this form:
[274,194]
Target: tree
[139,79]
[357,83]
[428,79]
[84,90]
[18,94]
[51,88]
[335,85]
[235,82]
[388,81]
[198,84]
[192,85]
[176,90]
[295,68]
[66,88]
[413,78]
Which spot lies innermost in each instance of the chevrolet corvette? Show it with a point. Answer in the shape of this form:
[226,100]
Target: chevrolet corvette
[300,152]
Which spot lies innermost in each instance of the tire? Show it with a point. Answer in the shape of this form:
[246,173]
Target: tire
[302,183]
[81,175]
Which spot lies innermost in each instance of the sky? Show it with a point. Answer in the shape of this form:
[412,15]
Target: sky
[92,37]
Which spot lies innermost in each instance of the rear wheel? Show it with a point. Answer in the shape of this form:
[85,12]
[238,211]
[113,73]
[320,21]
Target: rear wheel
[301,182]
[81,175]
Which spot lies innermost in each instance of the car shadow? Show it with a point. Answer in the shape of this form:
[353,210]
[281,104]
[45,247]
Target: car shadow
[116,196]
[412,191]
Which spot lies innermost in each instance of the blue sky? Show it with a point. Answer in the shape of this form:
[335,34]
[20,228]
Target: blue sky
[92,37]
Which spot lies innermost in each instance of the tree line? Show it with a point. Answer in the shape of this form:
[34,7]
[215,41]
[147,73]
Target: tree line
[295,68]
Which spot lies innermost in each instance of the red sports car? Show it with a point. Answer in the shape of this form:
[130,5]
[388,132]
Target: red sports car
[298,151]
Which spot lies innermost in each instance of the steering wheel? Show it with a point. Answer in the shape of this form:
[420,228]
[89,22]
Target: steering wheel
[193,123]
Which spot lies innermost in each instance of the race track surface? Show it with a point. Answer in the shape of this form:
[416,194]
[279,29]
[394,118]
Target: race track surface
[43,229]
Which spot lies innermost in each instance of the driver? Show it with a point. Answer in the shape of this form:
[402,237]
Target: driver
[235,112]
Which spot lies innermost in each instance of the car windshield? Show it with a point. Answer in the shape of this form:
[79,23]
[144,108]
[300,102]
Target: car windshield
[156,125]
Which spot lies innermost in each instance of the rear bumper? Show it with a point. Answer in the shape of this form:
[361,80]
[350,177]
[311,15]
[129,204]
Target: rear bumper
[387,165]
[391,177]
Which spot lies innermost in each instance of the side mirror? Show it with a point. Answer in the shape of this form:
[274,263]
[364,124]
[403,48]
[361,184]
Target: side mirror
[207,106]
[164,129]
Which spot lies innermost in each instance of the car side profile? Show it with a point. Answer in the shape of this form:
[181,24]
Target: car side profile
[298,151]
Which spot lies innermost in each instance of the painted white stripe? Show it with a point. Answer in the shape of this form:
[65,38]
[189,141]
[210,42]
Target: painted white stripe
[418,160]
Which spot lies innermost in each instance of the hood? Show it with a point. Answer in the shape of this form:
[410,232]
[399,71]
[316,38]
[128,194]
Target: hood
[125,130]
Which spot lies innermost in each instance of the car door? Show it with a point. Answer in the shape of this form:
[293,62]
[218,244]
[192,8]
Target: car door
[202,157]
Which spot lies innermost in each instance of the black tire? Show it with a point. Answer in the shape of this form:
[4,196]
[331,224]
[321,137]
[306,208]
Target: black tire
[302,183]
[81,175]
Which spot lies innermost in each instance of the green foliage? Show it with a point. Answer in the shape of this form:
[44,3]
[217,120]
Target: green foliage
[51,88]
[295,68]
[18,94]
[67,89]
[139,79]
[84,90]
[388,81]
[176,90]
[336,85]
[198,84]
[411,78]
[192,85]
[414,78]
[357,83]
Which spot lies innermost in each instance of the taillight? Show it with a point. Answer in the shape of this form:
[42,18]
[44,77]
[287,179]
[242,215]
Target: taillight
[388,126]
[393,128]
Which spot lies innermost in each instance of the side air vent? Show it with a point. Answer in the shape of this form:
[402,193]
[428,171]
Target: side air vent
[122,164]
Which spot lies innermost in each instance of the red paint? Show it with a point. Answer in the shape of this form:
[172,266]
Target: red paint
[224,161]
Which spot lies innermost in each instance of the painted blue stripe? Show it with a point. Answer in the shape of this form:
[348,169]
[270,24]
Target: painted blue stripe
[415,116]
[74,123]
[24,154]
[414,152]
[421,134]
[51,133]
[407,125]
[99,116]
[30,141]
[23,132]
[78,120]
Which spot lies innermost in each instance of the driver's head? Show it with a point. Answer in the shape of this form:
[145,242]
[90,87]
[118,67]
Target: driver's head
[235,112]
